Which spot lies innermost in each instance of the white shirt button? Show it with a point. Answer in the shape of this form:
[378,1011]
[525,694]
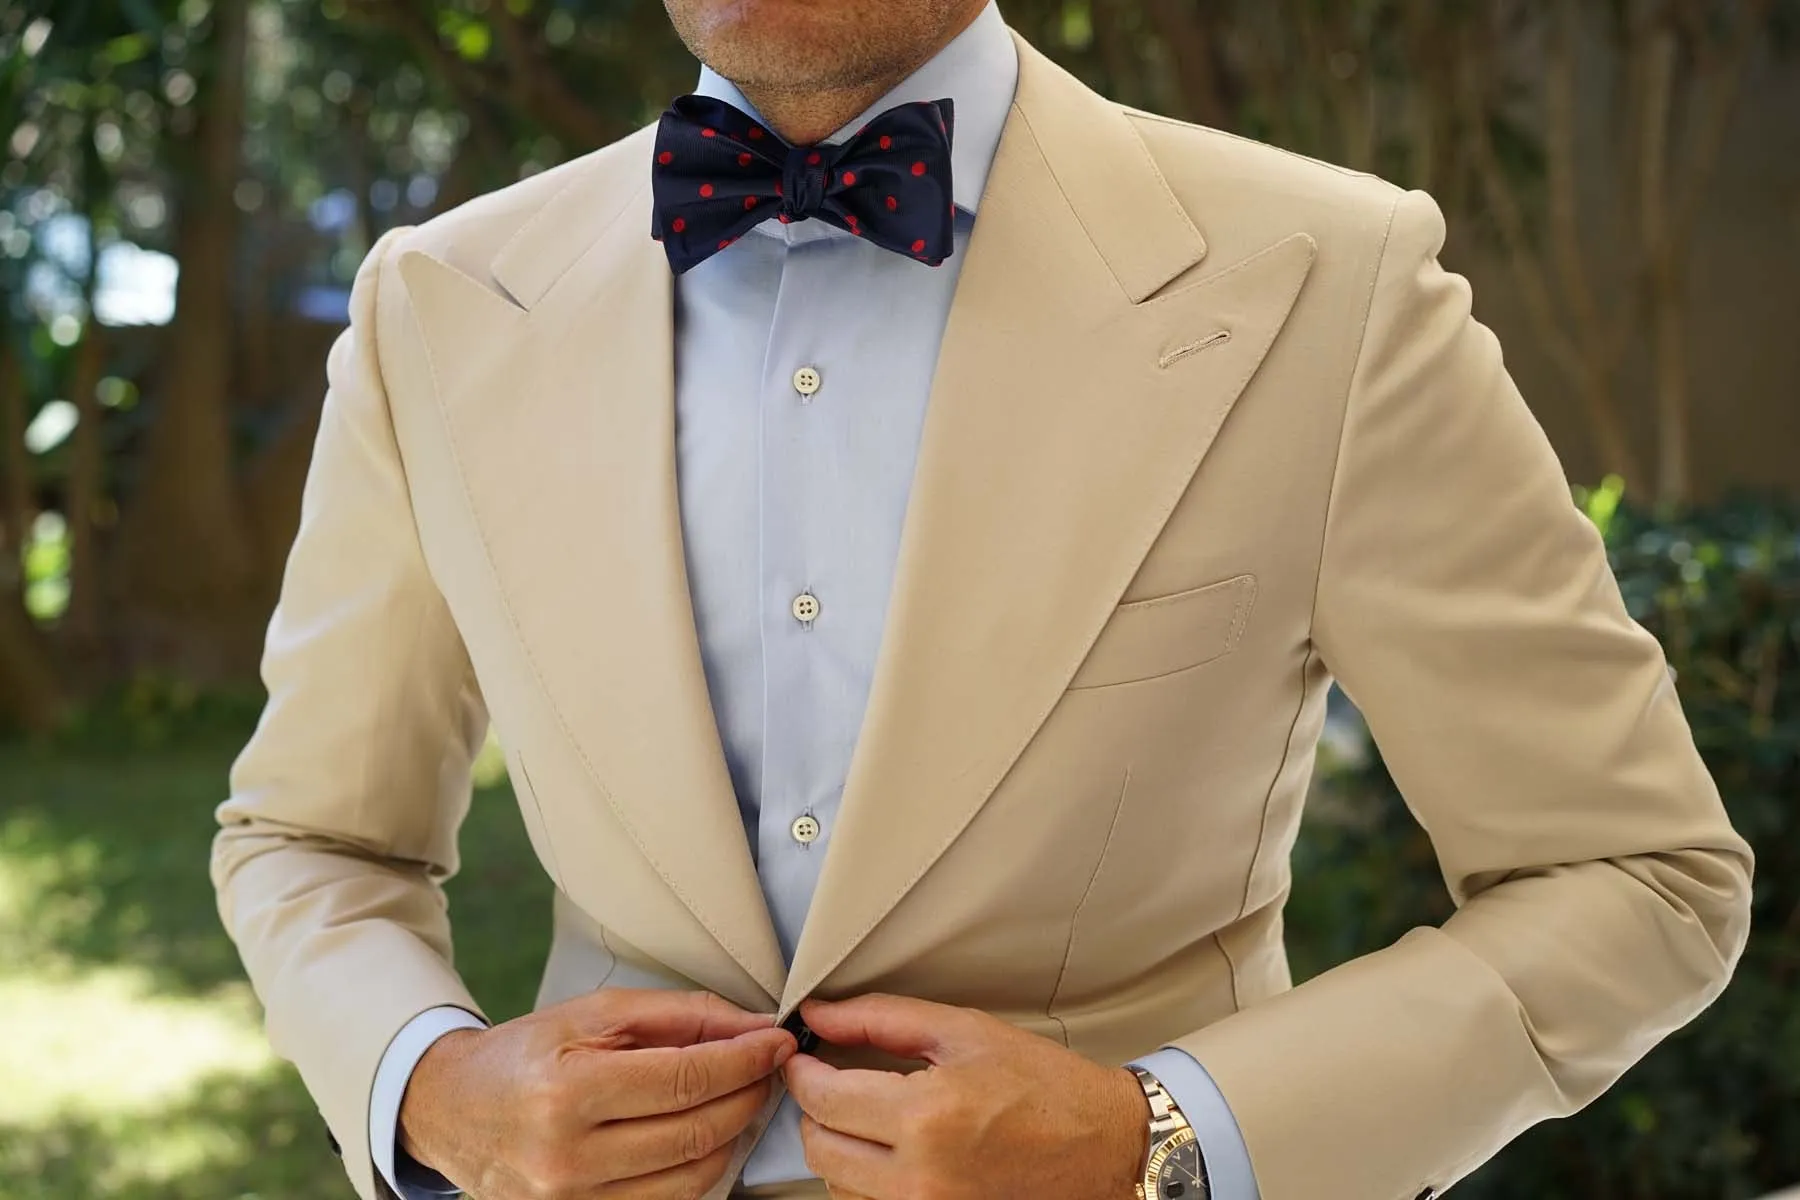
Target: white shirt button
[805,830]
[807,380]
[806,608]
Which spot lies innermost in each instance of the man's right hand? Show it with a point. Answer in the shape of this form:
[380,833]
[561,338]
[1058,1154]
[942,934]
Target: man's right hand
[635,1093]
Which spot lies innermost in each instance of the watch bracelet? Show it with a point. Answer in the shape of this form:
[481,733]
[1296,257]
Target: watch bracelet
[1165,1114]
[1166,1119]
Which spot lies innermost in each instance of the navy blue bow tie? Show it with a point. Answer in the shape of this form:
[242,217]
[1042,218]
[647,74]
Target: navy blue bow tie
[718,173]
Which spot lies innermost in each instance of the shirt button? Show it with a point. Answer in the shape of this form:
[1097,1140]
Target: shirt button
[806,608]
[805,830]
[807,380]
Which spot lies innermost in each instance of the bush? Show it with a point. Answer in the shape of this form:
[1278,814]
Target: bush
[1715,1111]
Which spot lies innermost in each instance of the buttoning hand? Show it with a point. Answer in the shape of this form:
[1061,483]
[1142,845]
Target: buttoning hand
[621,1092]
[997,1113]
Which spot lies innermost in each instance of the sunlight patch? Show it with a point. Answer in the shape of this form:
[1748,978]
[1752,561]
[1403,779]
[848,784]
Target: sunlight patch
[101,1042]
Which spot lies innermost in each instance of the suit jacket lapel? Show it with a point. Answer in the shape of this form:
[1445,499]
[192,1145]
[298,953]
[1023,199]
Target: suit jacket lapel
[560,403]
[1069,412]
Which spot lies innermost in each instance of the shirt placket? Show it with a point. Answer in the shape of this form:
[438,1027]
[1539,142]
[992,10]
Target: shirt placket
[795,593]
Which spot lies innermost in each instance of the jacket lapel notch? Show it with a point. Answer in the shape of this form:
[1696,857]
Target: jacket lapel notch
[1106,174]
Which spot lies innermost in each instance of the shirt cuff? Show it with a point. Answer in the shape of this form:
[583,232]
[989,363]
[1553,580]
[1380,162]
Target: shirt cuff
[409,1179]
[1228,1171]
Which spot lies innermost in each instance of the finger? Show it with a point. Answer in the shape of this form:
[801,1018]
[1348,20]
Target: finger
[899,1025]
[662,1017]
[645,1145]
[851,1165]
[670,1079]
[863,1104]
[677,1183]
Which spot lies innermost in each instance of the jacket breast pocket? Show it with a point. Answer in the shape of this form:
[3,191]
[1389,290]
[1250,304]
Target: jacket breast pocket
[1150,638]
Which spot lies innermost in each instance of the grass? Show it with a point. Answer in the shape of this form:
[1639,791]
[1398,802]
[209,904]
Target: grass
[132,1059]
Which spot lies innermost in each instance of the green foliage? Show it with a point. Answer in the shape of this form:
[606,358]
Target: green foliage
[150,712]
[47,568]
[1715,1111]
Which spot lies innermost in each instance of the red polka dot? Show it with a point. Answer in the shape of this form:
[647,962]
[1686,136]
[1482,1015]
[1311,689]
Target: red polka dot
[678,225]
[726,243]
[918,245]
[744,159]
[665,158]
[785,219]
[892,204]
[756,134]
[778,190]
[849,178]
[918,168]
[749,201]
[887,143]
[812,160]
[709,133]
[706,189]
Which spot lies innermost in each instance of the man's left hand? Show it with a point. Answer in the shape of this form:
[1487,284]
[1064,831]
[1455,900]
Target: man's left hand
[997,1113]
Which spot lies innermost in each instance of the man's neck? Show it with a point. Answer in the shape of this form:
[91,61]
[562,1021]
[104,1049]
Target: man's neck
[803,117]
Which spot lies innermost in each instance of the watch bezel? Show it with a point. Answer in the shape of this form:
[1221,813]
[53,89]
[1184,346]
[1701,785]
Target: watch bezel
[1159,1158]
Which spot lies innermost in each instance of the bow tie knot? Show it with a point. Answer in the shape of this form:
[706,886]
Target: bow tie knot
[803,177]
[717,174]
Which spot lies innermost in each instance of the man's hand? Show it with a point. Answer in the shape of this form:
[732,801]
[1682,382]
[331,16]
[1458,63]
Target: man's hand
[618,1093]
[998,1113]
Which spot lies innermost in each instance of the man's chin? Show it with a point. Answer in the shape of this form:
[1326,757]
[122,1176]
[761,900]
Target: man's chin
[779,43]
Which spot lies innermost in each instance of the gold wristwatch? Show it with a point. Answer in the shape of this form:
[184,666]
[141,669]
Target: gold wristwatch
[1173,1169]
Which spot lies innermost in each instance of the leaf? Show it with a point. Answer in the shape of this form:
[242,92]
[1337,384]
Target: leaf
[128,49]
[473,41]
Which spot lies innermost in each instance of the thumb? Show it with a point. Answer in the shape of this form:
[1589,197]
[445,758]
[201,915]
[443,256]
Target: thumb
[899,1025]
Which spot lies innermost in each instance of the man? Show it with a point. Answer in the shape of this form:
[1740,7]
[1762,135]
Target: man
[903,514]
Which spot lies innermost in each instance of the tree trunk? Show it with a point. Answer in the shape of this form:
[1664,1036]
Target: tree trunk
[1185,31]
[1667,303]
[185,558]
[15,468]
[1586,368]
[29,696]
[1669,211]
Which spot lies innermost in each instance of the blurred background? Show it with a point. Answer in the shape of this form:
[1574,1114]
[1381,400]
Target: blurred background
[187,185]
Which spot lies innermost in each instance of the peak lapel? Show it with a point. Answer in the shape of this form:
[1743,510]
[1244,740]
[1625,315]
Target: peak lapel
[1069,411]
[559,397]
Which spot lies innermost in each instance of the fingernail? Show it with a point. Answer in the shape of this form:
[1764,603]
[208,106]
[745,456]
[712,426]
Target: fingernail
[784,1052]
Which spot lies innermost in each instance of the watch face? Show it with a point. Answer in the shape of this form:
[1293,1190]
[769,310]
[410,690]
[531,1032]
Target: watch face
[1177,1169]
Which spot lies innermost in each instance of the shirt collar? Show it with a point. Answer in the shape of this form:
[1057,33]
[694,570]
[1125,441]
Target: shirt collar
[978,70]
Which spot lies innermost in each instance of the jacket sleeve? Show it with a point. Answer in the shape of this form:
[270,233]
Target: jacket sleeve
[344,809]
[1467,607]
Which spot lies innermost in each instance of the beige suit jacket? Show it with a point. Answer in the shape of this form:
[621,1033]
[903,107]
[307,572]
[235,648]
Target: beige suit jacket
[1210,428]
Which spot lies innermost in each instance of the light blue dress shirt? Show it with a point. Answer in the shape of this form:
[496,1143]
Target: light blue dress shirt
[796,485]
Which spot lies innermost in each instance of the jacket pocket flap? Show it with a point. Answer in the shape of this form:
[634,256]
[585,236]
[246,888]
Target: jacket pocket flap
[1148,638]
